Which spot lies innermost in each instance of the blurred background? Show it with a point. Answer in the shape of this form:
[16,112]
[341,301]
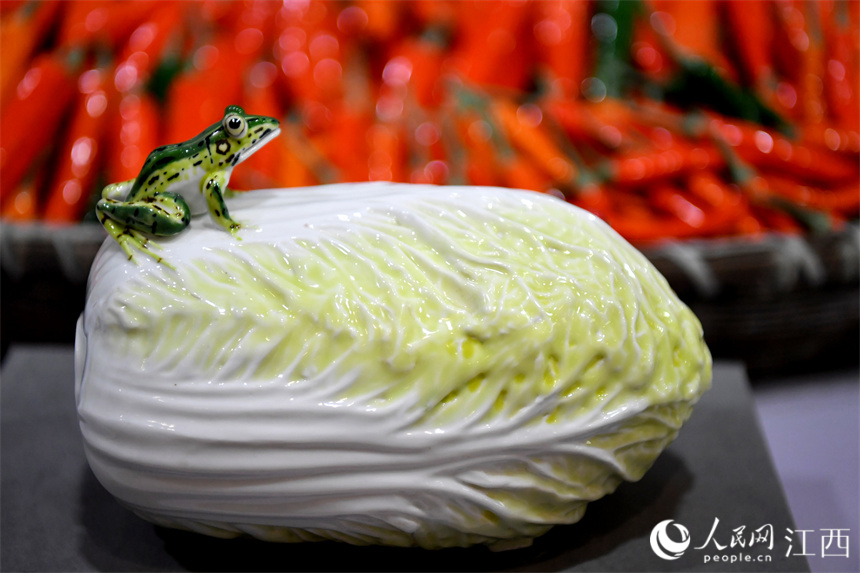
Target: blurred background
[722,138]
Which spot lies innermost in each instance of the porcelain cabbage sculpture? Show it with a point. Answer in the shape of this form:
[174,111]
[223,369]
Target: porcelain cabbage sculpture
[376,363]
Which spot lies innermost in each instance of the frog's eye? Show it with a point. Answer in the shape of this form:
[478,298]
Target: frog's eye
[235,125]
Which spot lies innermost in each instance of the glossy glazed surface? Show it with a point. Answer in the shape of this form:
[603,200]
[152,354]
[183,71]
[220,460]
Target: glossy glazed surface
[383,363]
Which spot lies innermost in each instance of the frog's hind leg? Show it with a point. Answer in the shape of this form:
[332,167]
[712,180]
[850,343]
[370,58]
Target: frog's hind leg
[117,191]
[163,214]
[128,222]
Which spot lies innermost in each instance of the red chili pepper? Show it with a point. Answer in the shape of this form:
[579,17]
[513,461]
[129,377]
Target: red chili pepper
[841,78]
[296,81]
[146,45]
[258,97]
[492,46]
[636,220]
[297,23]
[72,184]
[750,225]
[383,18]
[831,137]
[345,140]
[648,52]
[480,172]
[701,217]
[122,20]
[102,23]
[417,63]
[434,13]
[73,27]
[346,146]
[293,172]
[749,23]
[583,122]
[844,200]
[694,27]
[522,127]
[665,196]
[307,154]
[595,199]
[481,159]
[793,203]
[261,169]
[616,124]
[766,149]
[256,26]
[521,173]
[197,98]
[326,66]
[20,33]
[22,205]
[712,190]
[728,208]
[812,65]
[790,40]
[311,61]
[219,14]
[562,34]
[777,220]
[31,119]
[185,113]
[386,159]
[643,167]
[574,118]
[8,7]
[133,133]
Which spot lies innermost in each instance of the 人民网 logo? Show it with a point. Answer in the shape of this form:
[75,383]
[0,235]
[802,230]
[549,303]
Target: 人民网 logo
[664,546]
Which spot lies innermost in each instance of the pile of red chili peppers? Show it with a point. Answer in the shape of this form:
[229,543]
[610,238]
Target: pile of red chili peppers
[668,118]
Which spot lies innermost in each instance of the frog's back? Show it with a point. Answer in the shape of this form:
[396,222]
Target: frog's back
[153,177]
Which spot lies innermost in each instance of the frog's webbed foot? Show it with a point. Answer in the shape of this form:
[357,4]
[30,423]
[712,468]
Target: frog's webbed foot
[234,227]
[130,240]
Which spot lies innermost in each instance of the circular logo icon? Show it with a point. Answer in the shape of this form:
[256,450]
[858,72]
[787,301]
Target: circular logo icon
[664,546]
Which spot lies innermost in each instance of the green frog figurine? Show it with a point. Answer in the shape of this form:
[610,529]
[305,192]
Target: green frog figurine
[181,180]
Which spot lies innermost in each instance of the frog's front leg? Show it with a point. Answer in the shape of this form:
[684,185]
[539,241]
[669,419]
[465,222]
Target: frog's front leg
[213,187]
[128,222]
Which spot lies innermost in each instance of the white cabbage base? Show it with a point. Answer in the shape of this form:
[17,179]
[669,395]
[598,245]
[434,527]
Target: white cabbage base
[394,364]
